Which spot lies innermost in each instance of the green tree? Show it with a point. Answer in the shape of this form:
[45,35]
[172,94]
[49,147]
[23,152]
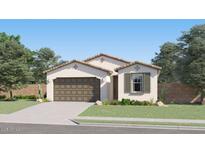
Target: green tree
[166,59]
[191,61]
[43,60]
[14,69]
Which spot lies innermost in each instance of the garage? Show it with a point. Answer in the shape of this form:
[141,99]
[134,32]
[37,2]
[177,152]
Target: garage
[85,89]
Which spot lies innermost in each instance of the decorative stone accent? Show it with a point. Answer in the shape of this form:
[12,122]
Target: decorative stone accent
[160,104]
[75,67]
[98,102]
[137,67]
[39,100]
[101,59]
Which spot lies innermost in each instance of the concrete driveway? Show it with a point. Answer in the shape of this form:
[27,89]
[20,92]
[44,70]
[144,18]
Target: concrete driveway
[58,113]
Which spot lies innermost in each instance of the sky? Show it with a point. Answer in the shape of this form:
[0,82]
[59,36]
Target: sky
[80,39]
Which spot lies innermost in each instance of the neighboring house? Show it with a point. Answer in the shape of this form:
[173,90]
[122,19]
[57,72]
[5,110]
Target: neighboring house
[102,77]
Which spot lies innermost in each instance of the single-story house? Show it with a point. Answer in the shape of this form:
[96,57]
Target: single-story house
[102,77]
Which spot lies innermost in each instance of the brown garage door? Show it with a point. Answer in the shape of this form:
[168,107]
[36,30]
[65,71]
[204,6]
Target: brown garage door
[77,89]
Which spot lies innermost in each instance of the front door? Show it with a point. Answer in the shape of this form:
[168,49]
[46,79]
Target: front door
[115,87]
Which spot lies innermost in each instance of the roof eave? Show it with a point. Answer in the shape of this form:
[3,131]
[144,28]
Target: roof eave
[140,63]
[83,63]
[102,54]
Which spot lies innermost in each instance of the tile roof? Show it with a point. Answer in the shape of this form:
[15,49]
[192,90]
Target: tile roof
[137,62]
[80,62]
[105,55]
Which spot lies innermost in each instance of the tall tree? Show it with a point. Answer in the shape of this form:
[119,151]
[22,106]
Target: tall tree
[191,63]
[14,69]
[43,59]
[166,58]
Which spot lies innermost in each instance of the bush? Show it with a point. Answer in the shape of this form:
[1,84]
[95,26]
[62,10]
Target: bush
[128,102]
[137,102]
[45,100]
[10,99]
[106,102]
[32,97]
[2,97]
[125,102]
[114,102]
[147,103]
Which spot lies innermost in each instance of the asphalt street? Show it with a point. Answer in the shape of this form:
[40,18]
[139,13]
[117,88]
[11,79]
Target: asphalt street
[16,128]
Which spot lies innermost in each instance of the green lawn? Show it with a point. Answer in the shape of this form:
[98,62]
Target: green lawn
[170,112]
[7,107]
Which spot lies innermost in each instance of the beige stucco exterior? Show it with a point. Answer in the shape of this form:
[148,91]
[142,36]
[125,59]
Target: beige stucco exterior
[81,71]
[110,64]
[106,79]
[152,96]
[107,63]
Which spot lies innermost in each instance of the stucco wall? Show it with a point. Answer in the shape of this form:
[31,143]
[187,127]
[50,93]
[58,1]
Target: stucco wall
[145,96]
[107,63]
[176,92]
[31,89]
[179,93]
[110,64]
[81,71]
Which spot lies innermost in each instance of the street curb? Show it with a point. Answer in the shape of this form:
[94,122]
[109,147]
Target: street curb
[143,126]
[141,119]
[74,121]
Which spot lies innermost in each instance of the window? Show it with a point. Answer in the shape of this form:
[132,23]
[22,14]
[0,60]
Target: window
[136,83]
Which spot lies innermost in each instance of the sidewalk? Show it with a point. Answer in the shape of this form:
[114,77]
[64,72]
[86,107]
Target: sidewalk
[141,119]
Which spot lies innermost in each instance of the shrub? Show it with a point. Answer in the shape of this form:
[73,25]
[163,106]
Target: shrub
[147,103]
[136,102]
[32,97]
[114,102]
[2,97]
[10,99]
[125,102]
[106,102]
[45,100]
[128,102]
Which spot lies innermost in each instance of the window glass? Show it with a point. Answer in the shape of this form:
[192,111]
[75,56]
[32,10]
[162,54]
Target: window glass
[137,82]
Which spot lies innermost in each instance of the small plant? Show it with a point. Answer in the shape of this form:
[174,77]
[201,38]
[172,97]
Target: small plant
[136,102]
[45,100]
[125,102]
[152,101]
[147,103]
[106,102]
[114,102]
